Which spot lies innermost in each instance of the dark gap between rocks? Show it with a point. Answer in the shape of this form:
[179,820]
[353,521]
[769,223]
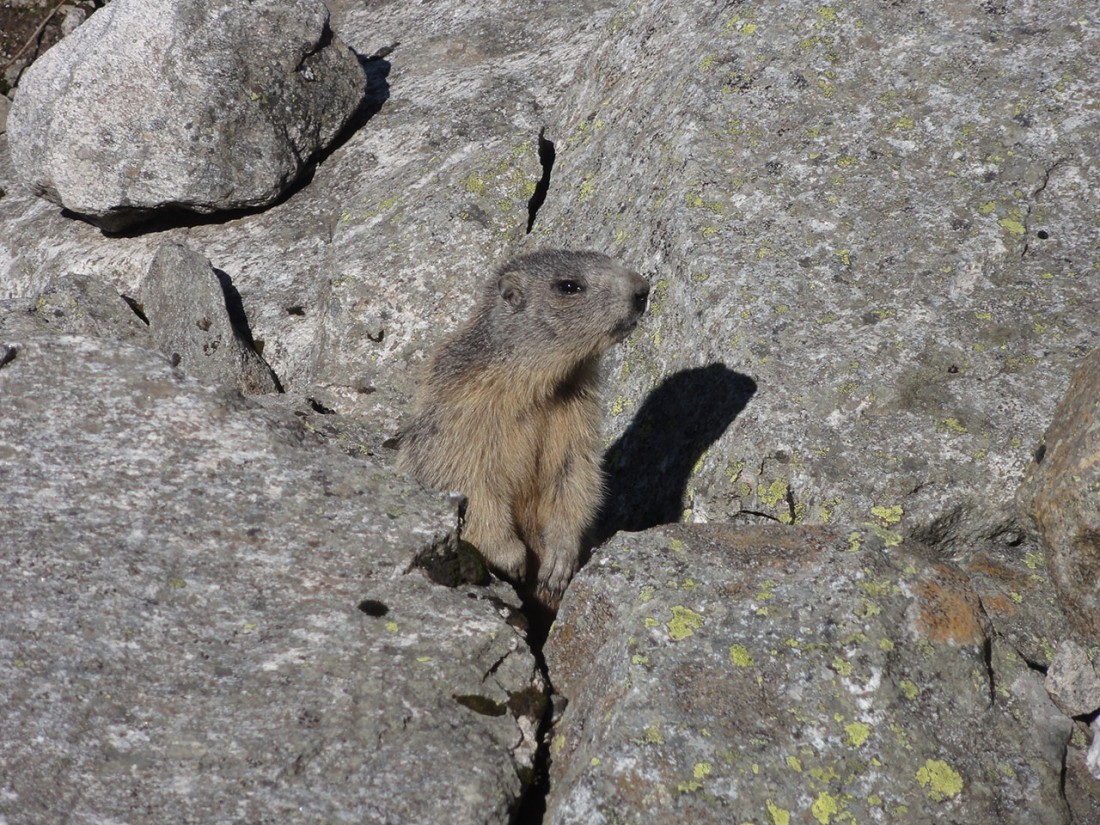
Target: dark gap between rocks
[238,319]
[318,407]
[137,308]
[373,607]
[376,70]
[453,563]
[1038,667]
[547,155]
[322,43]
[234,307]
[1065,771]
[532,805]
[987,656]
[1088,718]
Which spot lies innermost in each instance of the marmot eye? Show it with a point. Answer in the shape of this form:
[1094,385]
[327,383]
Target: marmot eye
[569,287]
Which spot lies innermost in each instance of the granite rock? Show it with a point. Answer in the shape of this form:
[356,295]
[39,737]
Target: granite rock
[1062,494]
[871,236]
[772,674]
[201,105]
[1073,679]
[882,216]
[75,304]
[212,616]
[196,318]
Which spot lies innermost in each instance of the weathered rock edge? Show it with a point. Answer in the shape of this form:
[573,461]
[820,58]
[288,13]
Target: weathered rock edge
[196,318]
[1061,495]
[210,616]
[723,674]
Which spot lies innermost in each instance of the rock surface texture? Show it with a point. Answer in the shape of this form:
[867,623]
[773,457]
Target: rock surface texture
[870,231]
[1062,494]
[210,616]
[884,216]
[719,674]
[202,105]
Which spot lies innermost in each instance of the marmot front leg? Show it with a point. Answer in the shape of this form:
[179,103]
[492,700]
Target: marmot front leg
[489,527]
[567,512]
[559,561]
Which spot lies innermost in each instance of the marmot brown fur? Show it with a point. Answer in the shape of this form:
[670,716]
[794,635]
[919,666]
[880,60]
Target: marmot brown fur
[508,411]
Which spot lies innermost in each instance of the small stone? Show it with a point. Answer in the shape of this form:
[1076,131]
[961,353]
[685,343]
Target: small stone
[1073,679]
[197,320]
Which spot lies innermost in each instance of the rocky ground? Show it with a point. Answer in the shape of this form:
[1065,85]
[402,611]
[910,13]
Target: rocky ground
[29,27]
[851,524]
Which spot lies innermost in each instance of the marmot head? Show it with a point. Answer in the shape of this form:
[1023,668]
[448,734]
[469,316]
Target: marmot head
[566,304]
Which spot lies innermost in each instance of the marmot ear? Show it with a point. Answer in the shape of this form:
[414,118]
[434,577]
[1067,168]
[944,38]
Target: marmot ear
[510,292]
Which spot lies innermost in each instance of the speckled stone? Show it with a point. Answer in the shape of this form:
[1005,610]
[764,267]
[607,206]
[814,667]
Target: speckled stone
[211,616]
[718,674]
[195,317]
[880,215]
[1062,495]
[870,230]
[153,106]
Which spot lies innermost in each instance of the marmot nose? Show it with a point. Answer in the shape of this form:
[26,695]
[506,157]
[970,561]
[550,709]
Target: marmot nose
[641,295]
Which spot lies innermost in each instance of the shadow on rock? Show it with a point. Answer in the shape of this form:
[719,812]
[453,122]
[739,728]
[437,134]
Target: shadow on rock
[648,468]
[377,70]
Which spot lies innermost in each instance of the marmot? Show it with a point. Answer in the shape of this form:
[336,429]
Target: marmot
[508,411]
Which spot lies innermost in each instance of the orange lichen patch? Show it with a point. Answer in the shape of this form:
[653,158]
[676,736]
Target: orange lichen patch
[999,604]
[1030,575]
[995,570]
[949,611]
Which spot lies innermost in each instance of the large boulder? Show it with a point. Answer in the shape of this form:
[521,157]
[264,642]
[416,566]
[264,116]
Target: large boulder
[210,616]
[882,215]
[1062,494]
[773,674]
[201,105]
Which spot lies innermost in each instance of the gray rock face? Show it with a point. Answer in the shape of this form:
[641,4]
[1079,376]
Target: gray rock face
[209,616]
[882,216]
[352,280]
[871,233]
[1014,586]
[203,105]
[1062,495]
[75,305]
[719,674]
[196,318]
